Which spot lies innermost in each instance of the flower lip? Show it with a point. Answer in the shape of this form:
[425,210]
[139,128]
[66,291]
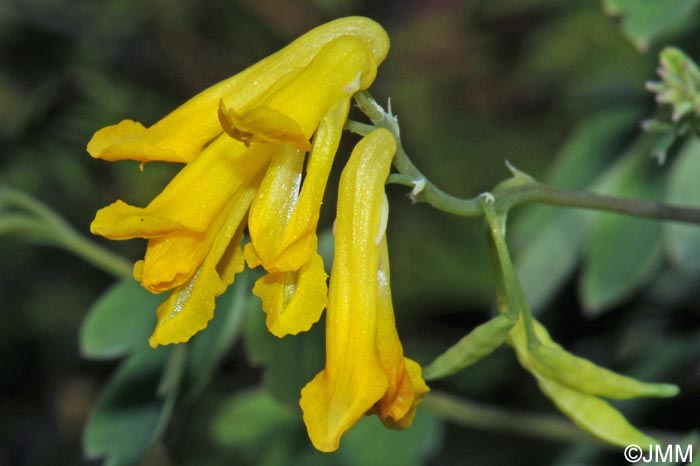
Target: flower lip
[262,124]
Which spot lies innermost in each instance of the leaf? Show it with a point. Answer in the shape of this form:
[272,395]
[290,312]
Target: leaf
[249,419]
[645,21]
[550,239]
[125,423]
[210,346]
[119,322]
[622,252]
[548,260]
[369,442]
[682,241]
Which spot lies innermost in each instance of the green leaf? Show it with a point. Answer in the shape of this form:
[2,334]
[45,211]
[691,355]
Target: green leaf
[210,346]
[548,239]
[125,423]
[683,241]
[248,420]
[623,252]
[119,322]
[549,259]
[289,362]
[370,442]
[645,21]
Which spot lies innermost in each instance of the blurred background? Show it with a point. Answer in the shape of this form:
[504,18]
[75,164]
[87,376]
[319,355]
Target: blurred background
[554,87]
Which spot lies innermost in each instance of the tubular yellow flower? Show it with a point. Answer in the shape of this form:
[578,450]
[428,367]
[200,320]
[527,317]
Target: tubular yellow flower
[244,142]
[365,371]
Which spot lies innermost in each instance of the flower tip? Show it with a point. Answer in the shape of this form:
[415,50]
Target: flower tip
[371,32]
[128,140]
[105,138]
[667,390]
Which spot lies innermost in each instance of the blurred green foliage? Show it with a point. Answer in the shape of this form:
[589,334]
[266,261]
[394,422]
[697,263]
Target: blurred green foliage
[555,87]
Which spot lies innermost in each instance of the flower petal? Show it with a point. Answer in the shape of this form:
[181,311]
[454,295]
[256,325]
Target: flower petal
[341,68]
[274,203]
[262,124]
[189,307]
[217,173]
[293,301]
[283,235]
[405,388]
[167,140]
[123,221]
[353,379]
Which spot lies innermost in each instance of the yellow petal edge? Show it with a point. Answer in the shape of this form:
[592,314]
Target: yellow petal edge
[365,369]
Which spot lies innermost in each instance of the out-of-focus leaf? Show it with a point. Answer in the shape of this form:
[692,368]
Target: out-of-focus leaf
[550,239]
[211,345]
[289,362]
[119,322]
[252,420]
[126,420]
[683,241]
[596,71]
[369,442]
[550,258]
[645,21]
[622,252]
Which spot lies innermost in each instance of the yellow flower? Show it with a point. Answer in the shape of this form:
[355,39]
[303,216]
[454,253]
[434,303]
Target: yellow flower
[244,142]
[365,371]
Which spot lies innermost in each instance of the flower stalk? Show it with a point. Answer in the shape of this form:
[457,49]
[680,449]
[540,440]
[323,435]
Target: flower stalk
[40,223]
[529,192]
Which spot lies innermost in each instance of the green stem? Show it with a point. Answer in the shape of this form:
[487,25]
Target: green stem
[545,194]
[506,198]
[515,295]
[46,226]
[545,426]
[356,127]
[481,416]
[429,193]
[94,254]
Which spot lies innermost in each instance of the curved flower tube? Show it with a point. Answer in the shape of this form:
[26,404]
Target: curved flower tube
[244,142]
[365,371]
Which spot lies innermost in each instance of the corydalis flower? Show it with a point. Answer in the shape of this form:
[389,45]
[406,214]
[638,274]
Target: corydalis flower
[365,371]
[244,142]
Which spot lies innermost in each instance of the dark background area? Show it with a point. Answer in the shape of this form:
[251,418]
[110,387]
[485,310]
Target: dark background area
[474,83]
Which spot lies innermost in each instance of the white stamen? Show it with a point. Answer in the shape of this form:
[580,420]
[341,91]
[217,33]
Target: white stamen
[353,86]
[383,220]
